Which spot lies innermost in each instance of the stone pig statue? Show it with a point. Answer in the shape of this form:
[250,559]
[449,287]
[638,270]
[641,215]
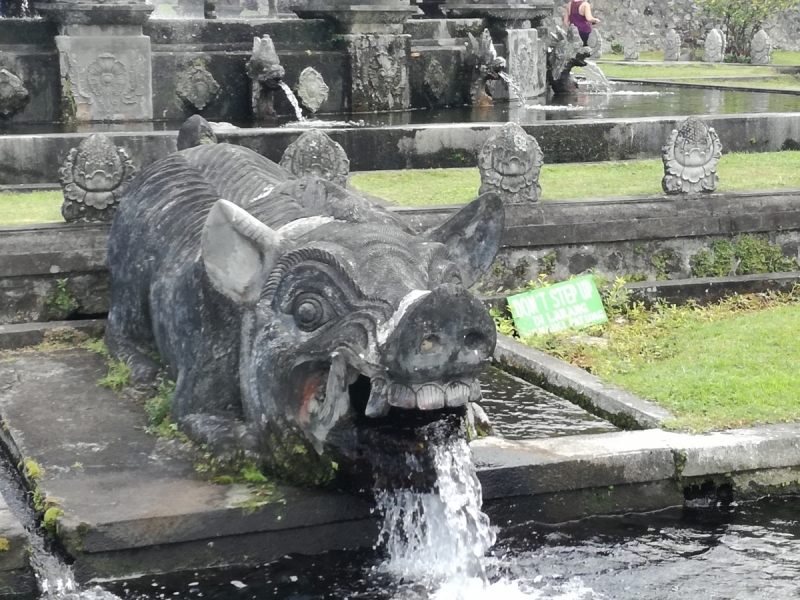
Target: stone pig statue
[303,326]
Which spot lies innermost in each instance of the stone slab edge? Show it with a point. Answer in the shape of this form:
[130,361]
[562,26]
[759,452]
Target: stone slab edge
[620,407]
[22,335]
[754,460]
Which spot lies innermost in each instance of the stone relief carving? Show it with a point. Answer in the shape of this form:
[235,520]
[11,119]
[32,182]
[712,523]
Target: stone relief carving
[312,91]
[714,46]
[379,66]
[106,82]
[690,158]
[509,163]
[486,67]
[94,177]
[196,86]
[595,44]
[434,80]
[13,94]
[672,46]
[314,154]
[524,63]
[760,48]
[630,48]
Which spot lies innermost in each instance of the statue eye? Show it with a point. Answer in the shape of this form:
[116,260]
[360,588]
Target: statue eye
[311,311]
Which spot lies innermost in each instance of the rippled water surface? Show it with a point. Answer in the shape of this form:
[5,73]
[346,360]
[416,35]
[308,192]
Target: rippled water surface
[748,552]
[519,410]
[625,100]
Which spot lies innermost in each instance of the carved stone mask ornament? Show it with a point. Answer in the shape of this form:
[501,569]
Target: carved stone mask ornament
[314,154]
[690,158]
[93,178]
[312,330]
[312,90]
[197,86]
[13,94]
[510,163]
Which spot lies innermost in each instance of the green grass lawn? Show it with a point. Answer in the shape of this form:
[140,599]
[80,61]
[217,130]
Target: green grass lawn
[31,207]
[727,365]
[783,82]
[779,57]
[683,70]
[629,178]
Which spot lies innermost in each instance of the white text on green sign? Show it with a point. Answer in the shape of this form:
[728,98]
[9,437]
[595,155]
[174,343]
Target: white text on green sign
[571,304]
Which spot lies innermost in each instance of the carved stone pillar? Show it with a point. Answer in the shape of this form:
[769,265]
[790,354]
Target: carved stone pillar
[105,60]
[517,27]
[379,72]
[500,15]
[378,50]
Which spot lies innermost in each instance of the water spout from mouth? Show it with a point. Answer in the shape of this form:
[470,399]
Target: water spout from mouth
[440,535]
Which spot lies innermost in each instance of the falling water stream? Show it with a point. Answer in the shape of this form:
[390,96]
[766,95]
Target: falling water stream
[54,576]
[292,100]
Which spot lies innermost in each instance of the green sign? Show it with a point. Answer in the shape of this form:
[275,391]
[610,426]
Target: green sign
[569,305]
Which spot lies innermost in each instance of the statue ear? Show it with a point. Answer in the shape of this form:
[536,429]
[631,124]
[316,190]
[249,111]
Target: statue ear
[473,235]
[238,251]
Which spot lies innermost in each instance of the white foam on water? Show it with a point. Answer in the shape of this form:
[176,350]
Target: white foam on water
[434,536]
[477,589]
[437,541]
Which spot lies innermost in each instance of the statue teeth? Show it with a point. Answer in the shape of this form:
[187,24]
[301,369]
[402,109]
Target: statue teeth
[475,391]
[430,397]
[378,405]
[457,393]
[402,396]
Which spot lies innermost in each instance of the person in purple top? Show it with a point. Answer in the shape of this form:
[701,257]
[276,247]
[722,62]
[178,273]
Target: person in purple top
[579,13]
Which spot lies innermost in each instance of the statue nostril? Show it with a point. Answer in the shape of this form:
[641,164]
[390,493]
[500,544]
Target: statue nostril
[430,344]
[475,340]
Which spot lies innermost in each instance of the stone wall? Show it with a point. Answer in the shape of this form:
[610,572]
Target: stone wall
[50,267]
[651,21]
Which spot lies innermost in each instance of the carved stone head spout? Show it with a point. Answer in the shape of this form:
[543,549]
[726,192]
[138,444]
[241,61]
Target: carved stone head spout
[264,64]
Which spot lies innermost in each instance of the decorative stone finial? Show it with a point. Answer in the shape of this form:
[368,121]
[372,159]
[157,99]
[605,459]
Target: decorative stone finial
[714,46]
[690,158]
[630,48]
[672,46]
[510,162]
[315,154]
[379,71]
[312,90]
[196,86]
[760,48]
[93,178]
[13,94]
[195,131]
